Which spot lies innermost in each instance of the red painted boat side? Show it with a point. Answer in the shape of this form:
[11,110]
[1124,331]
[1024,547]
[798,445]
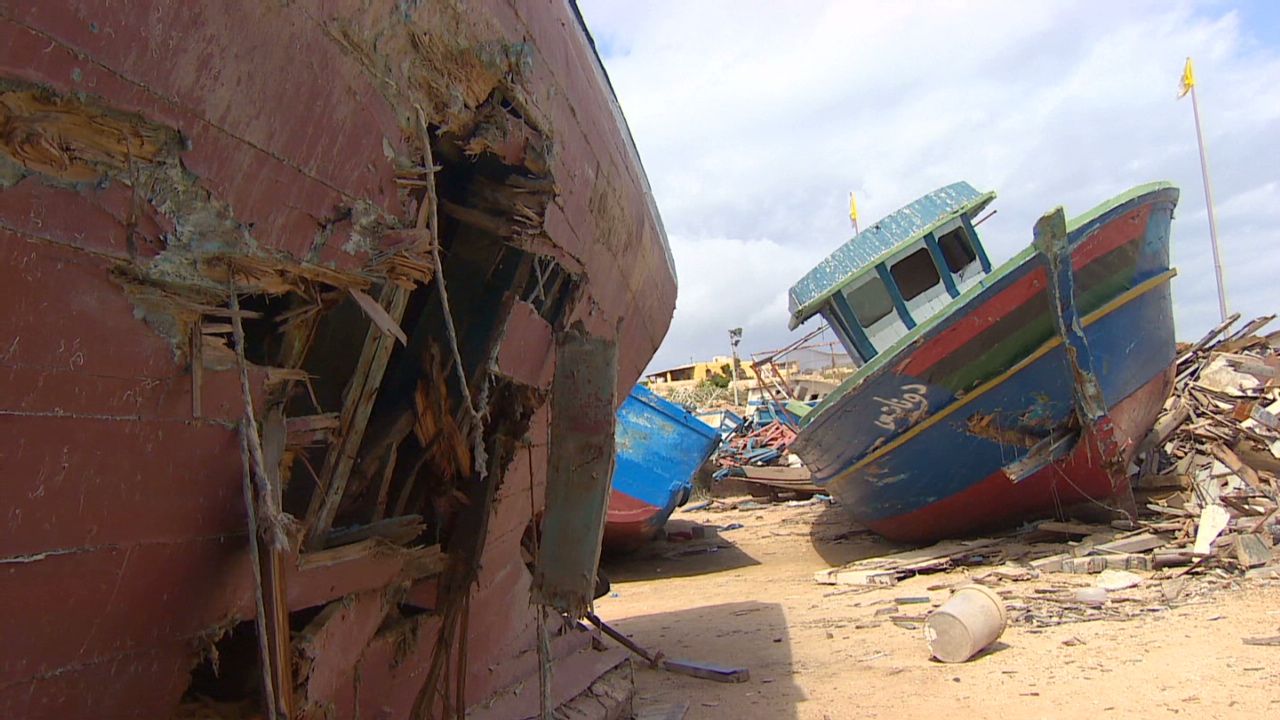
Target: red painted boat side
[123,551]
[1076,478]
[629,522]
[967,328]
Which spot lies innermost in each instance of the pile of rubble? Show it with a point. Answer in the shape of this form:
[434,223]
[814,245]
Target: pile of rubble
[1210,464]
[757,445]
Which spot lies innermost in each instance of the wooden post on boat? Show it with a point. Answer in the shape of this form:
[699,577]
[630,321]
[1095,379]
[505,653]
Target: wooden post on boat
[1050,240]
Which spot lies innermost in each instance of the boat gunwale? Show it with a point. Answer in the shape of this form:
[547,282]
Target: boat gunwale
[673,411]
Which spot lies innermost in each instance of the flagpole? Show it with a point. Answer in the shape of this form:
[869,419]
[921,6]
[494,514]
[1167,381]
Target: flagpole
[1208,201]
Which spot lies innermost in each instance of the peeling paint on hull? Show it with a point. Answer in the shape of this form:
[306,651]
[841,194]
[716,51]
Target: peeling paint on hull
[157,153]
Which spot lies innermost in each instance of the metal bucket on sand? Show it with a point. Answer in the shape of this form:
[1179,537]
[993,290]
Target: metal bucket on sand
[970,620]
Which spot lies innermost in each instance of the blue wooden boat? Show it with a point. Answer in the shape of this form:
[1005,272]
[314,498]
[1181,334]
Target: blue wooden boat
[659,447]
[985,395]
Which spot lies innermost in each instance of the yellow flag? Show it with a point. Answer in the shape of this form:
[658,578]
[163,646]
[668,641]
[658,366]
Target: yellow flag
[1188,80]
[853,209]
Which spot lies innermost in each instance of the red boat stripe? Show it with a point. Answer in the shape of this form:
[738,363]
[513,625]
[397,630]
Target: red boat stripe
[1112,236]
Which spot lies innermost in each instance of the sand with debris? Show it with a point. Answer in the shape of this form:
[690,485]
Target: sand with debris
[748,596]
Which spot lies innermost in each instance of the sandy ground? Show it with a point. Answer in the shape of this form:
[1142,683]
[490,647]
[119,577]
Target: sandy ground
[822,652]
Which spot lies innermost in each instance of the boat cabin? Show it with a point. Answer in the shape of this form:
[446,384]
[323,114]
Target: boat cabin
[898,273]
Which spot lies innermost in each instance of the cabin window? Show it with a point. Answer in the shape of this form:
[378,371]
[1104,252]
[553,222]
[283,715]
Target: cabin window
[870,302]
[874,312]
[921,286]
[915,274]
[957,251]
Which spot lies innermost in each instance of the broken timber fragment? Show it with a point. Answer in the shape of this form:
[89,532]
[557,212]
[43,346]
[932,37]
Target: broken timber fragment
[1251,550]
[358,399]
[1232,461]
[707,671]
[670,711]
[1213,520]
[378,315]
[1069,528]
[400,530]
[580,465]
[888,569]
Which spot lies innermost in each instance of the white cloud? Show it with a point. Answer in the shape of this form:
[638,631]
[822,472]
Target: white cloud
[755,119]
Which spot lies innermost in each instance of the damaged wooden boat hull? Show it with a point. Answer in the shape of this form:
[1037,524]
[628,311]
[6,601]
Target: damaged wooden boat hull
[659,448]
[299,273]
[983,406]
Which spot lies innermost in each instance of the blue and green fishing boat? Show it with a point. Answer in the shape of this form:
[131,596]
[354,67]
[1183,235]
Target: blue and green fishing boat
[985,395]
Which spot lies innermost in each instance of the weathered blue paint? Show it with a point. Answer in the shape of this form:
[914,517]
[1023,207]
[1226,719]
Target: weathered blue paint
[659,447]
[892,446]
[935,252]
[868,247]
[899,304]
[849,324]
[977,246]
[726,422]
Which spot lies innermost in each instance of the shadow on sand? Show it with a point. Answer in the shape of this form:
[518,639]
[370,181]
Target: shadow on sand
[747,634]
[667,558]
[839,540]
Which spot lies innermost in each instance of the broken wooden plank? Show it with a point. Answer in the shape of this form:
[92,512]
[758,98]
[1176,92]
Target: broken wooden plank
[628,643]
[357,404]
[1251,550]
[1273,641]
[1141,542]
[1093,564]
[1164,481]
[310,429]
[707,671]
[405,563]
[580,462]
[886,569]
[276,594]
[1164,558]
[197,368]
[1208,338]
[1237,466]
[1259,460]
[1070,528]
[380,317]
[1213,520]
[399,530]
[671,711]
[1164,428]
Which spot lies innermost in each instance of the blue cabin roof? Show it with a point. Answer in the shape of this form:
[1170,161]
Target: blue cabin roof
[864,250]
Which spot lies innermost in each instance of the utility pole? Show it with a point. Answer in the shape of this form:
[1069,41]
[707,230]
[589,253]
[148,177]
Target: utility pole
[735,337]
[1188,85]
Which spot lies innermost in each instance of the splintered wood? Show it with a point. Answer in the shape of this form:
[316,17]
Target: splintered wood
[1209,466]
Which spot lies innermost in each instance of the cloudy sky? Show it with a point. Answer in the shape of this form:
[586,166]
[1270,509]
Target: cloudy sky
[755,119]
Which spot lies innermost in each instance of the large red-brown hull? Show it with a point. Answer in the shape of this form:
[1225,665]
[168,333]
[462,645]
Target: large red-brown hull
[280,131]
